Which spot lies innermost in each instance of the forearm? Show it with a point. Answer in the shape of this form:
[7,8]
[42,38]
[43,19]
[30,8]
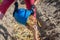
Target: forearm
[36,33]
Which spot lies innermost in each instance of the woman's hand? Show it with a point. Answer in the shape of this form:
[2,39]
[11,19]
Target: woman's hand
[36,2]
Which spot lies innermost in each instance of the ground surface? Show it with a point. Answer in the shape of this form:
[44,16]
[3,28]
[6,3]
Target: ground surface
[48,12]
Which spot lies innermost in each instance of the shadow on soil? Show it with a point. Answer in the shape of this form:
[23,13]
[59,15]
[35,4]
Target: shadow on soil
[5,34]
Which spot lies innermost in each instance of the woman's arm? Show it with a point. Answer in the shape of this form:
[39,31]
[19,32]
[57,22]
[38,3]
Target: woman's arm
[36,2]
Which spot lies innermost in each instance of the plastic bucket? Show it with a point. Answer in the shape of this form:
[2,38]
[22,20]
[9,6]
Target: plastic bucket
[22,15]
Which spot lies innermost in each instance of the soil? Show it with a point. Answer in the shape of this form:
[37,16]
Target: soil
[49,12]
